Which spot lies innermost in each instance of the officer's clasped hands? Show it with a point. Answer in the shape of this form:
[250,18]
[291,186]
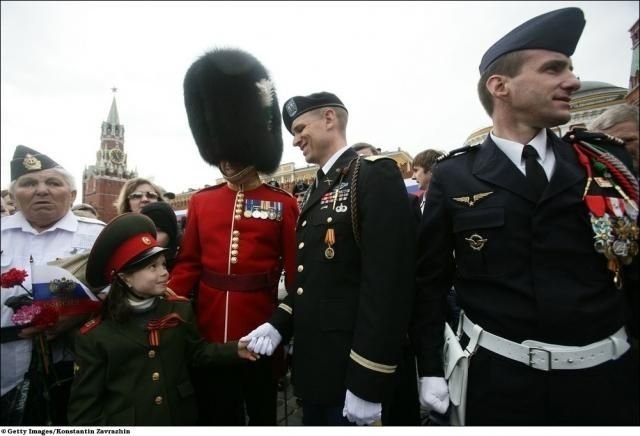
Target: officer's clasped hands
[263,340]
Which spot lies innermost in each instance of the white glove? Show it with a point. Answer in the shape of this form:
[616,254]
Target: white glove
[434,394]
[360,411]
[263,340]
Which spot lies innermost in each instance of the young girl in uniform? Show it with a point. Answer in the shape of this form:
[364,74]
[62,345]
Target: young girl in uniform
[132,363]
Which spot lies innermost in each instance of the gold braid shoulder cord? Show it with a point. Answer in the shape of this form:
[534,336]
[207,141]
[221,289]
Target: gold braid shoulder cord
[354,200]
[612,200]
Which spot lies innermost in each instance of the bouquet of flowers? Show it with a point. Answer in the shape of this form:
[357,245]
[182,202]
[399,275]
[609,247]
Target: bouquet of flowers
[55,298]
[56,294]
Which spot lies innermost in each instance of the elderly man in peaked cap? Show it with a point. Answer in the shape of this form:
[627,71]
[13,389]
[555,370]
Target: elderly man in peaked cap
[508,223]
[241,233]
[44,229]
[354,287]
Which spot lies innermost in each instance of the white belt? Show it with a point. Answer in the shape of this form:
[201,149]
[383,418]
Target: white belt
[545,357]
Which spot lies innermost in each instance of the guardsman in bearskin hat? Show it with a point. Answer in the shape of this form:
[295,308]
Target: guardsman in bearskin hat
[132,362]
[353,291]
[538,235]
[240,234]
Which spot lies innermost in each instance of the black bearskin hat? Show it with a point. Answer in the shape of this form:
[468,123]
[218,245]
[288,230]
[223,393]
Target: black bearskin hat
[233,110]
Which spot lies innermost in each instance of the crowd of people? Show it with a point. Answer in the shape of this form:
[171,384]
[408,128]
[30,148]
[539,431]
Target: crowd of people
[524,247]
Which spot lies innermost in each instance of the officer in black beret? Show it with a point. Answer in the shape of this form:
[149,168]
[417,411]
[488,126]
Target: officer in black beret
[350,304]
[508,223]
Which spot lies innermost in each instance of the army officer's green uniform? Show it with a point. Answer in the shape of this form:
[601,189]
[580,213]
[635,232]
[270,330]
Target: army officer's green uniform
[123,380]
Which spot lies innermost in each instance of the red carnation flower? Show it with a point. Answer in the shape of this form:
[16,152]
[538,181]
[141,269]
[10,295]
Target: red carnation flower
[13,277]
[36,315]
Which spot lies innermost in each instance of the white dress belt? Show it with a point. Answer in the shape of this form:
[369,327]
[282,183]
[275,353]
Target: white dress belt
[545,357]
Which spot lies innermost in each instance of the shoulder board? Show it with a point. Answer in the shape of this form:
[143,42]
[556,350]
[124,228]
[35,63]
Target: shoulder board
[596,138]
[458,152]
[90,325]
[376,157]
[276,189]
[90,220]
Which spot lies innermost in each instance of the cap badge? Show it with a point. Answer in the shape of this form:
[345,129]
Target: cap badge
[31,163]
[291,107]
[146,240]
[266,91]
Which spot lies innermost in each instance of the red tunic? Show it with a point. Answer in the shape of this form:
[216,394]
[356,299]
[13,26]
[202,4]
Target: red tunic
[220,239]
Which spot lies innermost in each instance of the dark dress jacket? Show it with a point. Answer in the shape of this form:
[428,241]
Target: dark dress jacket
[349,313]
[415,201]
[521,269]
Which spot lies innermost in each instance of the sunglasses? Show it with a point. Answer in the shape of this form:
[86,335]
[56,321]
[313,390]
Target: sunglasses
[138,195]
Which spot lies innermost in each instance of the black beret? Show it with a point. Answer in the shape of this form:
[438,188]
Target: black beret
[296,106]
[127,240]
[557,30]
[233,110]
[26,160]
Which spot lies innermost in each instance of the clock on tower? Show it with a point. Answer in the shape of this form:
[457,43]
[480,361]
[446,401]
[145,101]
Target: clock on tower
[116,156]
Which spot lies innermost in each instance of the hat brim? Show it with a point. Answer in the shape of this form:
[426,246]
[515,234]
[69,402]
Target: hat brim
[144,256]
[120,229]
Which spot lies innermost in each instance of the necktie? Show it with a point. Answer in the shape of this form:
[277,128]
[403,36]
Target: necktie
[319,177]
[536,176]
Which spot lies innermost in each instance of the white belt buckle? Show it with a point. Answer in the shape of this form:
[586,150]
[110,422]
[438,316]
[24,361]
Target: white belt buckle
[532,354]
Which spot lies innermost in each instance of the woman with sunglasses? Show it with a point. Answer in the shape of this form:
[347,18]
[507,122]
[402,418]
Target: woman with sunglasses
[136,193]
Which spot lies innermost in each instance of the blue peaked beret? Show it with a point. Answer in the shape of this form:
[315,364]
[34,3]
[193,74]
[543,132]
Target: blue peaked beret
[296,106]
[557,30]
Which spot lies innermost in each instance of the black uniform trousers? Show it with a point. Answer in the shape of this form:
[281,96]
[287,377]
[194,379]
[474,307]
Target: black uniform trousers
[224,392]
[505,392]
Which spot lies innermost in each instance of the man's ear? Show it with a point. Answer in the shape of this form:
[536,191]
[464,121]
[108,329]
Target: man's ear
[498,85]
[329,117]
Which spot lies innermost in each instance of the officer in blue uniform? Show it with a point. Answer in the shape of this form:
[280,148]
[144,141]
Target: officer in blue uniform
[508,223]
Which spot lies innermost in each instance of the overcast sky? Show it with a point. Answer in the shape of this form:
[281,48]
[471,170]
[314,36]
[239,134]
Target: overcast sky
[407,72]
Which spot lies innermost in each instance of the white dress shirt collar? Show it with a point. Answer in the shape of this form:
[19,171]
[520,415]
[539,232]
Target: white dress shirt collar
[332,160]
[513,150]
[69,222]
